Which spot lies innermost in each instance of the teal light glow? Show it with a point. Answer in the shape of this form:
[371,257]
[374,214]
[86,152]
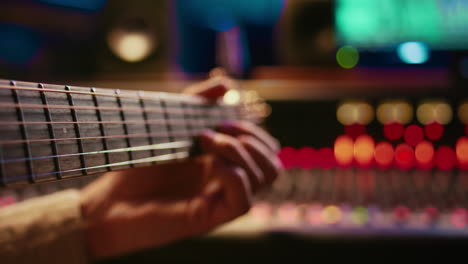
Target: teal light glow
[413,52]
[370,24]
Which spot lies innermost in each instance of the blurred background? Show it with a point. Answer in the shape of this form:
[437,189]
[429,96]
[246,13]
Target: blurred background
[361,89]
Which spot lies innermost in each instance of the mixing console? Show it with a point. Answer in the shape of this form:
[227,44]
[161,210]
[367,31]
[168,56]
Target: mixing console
[392,169]
[405,174]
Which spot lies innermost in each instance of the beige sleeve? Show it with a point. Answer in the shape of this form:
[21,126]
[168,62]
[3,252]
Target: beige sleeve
[43,230]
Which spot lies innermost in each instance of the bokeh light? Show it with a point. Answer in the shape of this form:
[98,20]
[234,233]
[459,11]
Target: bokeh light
[413,52]
[413,135]
[347,57]
[349,113]
[261,212]
[462,152]
[288,157]
[401,213]
[430,214]
[445,158]
[360,215]
[232,97]
[463,113]
[459,217]
[404,156]
[434,131]
[288,213]
[395,112]
[430,112]
[384,154]
[326,158]
[131,46]
[314,214]
[424,154]
[332,214]
[307,158]
[364,147]
[355,130]
[344,150]
[393,131]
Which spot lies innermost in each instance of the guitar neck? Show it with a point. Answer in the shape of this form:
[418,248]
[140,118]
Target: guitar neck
[54,132]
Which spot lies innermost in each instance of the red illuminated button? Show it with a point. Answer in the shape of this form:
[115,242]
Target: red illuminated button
[462,153]
[314,214]
[384,154]
[430,215]
[307,158]
[413,135]
[434,131]
[393,131]
[404,156]
[326,158]
[364,148]
[401,213]
[343,150]
[459,217]
[424,153]
[445,158]
[288,157]
[355,130]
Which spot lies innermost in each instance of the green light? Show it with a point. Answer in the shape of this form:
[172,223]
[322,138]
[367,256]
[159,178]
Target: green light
[360,216]
[347,57]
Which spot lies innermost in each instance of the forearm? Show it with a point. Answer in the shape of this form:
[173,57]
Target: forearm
[43,230]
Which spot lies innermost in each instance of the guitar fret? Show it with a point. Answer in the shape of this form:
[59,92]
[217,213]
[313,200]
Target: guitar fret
[125,127]
[166,118]
[188,125]
[77,131]
[101,127]
[147,125]
[55,132]
[50,127]
[24,134]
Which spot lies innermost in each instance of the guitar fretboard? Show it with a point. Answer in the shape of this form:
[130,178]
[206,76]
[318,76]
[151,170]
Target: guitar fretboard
[52,132]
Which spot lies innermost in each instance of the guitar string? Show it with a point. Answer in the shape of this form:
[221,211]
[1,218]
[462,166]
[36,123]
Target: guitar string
[157,146]
[142,135]
[159,158]
[169,110]
[172,110]
[162,121]
[138,94]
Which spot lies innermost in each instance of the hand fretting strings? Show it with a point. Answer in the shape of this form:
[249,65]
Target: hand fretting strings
[194,114]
